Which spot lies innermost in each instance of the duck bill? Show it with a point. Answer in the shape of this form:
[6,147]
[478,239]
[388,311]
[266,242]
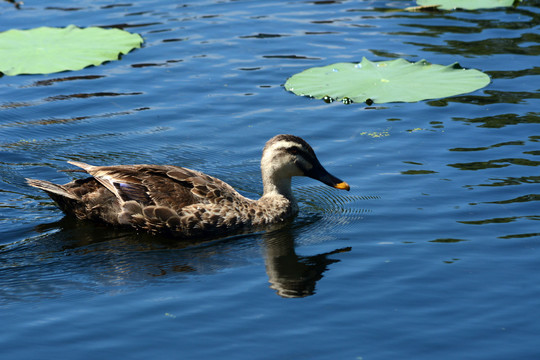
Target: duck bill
[320,173]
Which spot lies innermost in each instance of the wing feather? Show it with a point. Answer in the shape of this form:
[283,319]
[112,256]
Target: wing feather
[168,186]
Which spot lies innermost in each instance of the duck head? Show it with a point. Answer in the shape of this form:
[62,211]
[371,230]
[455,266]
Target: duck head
[285,156]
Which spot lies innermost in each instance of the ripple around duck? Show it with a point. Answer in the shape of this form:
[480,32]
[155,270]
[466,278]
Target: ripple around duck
[322,209]
[95,257]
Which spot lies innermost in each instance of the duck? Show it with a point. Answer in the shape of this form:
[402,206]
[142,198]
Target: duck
[188,204]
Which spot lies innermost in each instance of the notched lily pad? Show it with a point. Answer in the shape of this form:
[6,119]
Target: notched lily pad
[467,4]
[385,81]
[46,50]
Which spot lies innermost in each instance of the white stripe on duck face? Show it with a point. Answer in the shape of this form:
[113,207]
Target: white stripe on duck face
[279,152]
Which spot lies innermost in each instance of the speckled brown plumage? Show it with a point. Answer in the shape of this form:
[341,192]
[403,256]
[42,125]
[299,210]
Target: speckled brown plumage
[186,203]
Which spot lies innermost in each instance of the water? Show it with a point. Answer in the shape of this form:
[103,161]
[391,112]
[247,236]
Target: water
[433,254]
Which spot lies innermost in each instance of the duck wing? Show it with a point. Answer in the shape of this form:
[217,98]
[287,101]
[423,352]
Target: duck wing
[165,199]
[160,185]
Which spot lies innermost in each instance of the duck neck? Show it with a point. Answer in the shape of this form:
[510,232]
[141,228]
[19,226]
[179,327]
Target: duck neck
[277,187]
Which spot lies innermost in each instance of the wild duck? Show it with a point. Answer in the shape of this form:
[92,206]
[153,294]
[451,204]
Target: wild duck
[186,203]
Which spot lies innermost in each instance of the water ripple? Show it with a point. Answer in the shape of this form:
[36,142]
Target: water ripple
[322,210]
[502,120]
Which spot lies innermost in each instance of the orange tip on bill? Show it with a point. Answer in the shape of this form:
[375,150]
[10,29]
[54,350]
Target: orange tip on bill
[343,186]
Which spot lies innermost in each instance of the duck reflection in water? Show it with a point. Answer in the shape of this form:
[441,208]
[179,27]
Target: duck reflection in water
[122,257]
[292,275]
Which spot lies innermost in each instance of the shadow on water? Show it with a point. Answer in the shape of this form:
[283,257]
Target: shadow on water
[70,254]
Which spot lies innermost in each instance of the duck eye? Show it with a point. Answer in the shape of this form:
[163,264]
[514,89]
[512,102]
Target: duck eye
[294,151]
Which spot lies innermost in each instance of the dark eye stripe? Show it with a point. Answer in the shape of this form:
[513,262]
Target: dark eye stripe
[295,150]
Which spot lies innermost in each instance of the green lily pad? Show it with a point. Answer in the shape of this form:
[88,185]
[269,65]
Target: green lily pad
[467,4]
[46,50]
[385,81]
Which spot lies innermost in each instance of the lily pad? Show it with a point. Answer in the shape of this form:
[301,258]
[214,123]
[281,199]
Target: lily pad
[46,50]
[467,4]
[385,81]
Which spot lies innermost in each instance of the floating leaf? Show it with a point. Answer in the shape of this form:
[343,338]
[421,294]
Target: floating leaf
[385,81]
[467,4]
[46,50]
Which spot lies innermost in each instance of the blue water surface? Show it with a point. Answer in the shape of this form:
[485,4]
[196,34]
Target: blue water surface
[433,254]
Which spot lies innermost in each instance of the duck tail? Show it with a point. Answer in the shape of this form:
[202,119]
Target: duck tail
[52,189]
[86,167]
